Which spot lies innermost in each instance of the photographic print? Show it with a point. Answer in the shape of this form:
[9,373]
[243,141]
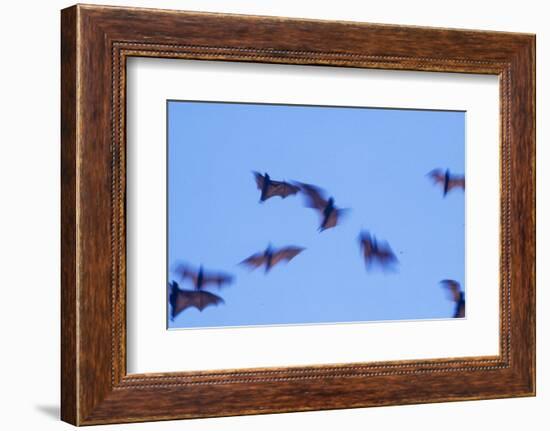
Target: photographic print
[300,214]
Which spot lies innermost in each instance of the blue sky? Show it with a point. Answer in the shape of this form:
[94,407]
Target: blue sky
[373,161]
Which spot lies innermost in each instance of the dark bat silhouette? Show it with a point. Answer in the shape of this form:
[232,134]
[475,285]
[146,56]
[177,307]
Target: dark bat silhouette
[181,299]
[271,257]
[457,295]
[447,180]
[315,198]
[270,188]
[202,279]
[376,252]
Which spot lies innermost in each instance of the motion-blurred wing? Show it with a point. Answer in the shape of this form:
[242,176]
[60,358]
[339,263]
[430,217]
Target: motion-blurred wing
[457,182]
[373,252]
[366,246]
[385,255]
[453,288]
[437,176]
[186,272]
[280,188]
[457,296]
[333,219]
[254,261]
[286,253]
[314,196]
[218,279]
[260,179]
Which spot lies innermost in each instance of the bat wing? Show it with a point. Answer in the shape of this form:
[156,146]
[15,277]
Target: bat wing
[286,253]
[281,188]
[192,275]
[334,218]
[194,298]
[437,176]
[182,300]
[381,254]
[203,299]
[218,279]
[457,182]
[368,251]
[260,179]
[454,288]
[365,244]
[385,255]
[186,272]
[178,299]
[254,261]
[314,196]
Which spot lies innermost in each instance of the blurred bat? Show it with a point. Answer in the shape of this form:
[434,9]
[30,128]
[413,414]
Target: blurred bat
[375,252]
[271,257]
[202,279]
[270,188]
[181,299]
[315,198]
[447,180]
[457,296]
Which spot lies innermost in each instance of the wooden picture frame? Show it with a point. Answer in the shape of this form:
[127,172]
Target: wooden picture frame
[95,43]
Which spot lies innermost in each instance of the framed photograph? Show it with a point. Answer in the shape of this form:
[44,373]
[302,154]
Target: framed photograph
[266,214]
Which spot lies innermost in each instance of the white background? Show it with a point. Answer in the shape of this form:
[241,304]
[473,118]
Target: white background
[29,227]
[151,348]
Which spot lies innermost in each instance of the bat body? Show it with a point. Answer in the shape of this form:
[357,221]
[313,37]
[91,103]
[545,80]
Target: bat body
[447,181]
[315,198]
[271,257]
[457,295]
[202,279]
[270,188]
[376,252]
[181,299]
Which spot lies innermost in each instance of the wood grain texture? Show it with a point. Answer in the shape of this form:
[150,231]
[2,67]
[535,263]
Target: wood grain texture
[69,397]
[96,41]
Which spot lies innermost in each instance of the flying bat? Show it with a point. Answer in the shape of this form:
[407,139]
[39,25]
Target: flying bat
[376,252]
[447,180]
[181,299]
[271,257]
[270,188]
[202,279]
[457,295]
[315,198]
